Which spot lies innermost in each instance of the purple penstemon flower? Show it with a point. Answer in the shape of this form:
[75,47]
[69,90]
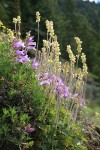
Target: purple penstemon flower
[52,77]
[45,82]
[23,59]
[62,91]
[30,44]
[29,129]
[43,76]
[34,64]
[21,53]
[46,78]
[65,92]
[18,45]
[30,48]
[30,39]
[60,88]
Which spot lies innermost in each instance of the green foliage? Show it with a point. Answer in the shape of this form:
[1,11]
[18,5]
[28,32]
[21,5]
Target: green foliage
[22,90]
[61,135]
[12,128]
[24,104]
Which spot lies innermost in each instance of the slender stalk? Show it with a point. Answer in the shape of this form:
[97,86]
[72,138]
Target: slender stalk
[15,30]
[19,30]
[38,39]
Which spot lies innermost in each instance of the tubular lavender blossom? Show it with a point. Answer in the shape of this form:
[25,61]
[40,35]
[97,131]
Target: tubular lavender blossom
[34,64]
[30,44]
[22,48]
[29,129]
[18,45]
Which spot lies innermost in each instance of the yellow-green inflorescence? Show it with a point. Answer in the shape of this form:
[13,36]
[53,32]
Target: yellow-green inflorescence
[17,22]
[6,33]
[38,16]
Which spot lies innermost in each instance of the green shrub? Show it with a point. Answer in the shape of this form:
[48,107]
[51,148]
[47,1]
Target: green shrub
[12,129]
[35,115]
[24,103]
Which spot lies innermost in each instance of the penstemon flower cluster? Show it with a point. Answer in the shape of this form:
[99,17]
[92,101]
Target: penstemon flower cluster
[22,49]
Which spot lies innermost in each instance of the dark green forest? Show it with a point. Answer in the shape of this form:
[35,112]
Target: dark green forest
[71,18]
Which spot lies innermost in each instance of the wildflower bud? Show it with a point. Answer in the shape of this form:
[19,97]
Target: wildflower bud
[51,29]
[79,74]
[55,37]
[46,43]
[47,26]
[71,55]
[28,34]
[78,84]
[38,16]
[19,33]
[85,72]
[10,35]
[83,57]
[19,19]
[15,20]
[79,42]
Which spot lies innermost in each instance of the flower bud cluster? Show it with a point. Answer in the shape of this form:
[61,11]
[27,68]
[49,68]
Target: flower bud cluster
[38,17]
[19,33]
[65,67]
[28,34]
[83,57]
[18,19]
[78,85]
[10,34]
[56,53]
[71,55]
[79,81]
[79,42]
[80,74]
[46,43]
[15,20]
[85,68]
[50,29]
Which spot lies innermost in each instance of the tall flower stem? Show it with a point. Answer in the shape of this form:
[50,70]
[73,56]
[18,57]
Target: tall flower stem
[15,30]
[38,39]
[19,31]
